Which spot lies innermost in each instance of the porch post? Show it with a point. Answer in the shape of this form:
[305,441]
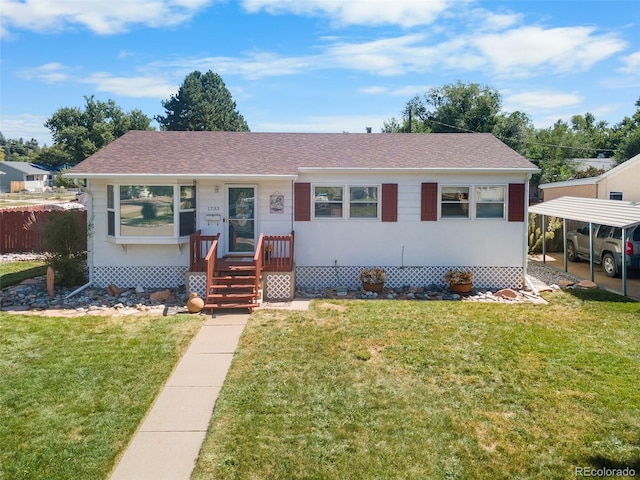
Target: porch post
[544,239]
[624,261]
[591,264]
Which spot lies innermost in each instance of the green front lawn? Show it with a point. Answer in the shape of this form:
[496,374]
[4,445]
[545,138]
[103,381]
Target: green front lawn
[73,390]
[431,390]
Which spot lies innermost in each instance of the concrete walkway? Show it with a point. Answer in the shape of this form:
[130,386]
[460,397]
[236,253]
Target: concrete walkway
[167,443]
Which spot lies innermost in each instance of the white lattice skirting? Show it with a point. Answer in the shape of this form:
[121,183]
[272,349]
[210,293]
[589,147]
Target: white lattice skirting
[145,276]
[197,282]
[279,285]
[329,277]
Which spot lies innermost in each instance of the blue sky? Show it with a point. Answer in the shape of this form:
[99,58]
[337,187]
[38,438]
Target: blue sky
[318,65]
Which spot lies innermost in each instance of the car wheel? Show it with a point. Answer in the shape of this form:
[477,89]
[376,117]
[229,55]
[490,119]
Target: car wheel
[609,265]
[571,252]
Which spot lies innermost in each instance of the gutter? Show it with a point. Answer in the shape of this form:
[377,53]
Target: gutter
[89,247]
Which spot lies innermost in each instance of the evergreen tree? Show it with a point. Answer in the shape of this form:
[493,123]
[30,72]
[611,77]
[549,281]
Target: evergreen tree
[203,102]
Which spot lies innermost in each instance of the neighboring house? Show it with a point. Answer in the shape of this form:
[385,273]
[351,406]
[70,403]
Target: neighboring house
[601,163]
[415,204]
[619,183]
[23,176]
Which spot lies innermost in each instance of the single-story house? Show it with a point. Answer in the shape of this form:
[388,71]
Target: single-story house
[23,176]
[414,204]
[619,183]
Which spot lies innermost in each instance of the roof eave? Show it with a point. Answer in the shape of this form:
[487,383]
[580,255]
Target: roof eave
[418,170]
[178,176]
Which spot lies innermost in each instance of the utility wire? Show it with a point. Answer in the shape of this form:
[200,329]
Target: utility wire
[530,142]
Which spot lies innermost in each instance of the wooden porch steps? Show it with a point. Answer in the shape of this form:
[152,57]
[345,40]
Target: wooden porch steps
[234,285]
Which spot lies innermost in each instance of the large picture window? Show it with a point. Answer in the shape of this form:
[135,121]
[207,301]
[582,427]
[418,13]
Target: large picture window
[150,210]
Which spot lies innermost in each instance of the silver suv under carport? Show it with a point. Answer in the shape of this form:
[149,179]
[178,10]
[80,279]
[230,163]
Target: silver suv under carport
[607,246]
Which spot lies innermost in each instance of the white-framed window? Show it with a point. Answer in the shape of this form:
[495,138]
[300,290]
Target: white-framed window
[473,201]
[111,211]
[490,201]
[327,201]
[362,201]
[454,202]
[149,211]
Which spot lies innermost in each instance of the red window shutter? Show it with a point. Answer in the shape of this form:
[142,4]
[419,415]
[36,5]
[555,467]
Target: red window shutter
[516,202]
[429,202]
[302,202]
[389,202]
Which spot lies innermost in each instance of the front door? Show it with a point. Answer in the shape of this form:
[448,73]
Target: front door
[241,224]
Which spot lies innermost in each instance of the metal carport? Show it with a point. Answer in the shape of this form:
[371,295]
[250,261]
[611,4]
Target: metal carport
[615,213]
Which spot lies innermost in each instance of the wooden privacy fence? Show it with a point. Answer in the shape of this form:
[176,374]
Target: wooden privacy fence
[20,230]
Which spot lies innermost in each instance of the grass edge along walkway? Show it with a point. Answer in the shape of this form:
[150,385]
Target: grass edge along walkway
[431,390]
[73,390]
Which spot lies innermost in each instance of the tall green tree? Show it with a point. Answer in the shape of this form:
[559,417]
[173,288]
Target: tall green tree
[627,134]
[82,132]
[463,107]
[203,102]
[19,150]
[455,107]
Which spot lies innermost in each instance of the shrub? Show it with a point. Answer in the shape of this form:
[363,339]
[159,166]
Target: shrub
[65,240]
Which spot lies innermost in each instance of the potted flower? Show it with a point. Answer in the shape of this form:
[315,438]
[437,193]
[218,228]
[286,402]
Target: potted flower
[460,280]
[373,279]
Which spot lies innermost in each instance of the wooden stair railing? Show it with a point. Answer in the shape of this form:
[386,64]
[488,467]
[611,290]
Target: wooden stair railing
[278,253]
[233,283]
[199,246]
[236,283]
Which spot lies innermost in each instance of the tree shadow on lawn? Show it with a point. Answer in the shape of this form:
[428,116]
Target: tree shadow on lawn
[598,295]
[601,461]
[9,279]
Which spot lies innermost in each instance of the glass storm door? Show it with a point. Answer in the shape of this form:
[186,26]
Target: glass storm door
[241,226]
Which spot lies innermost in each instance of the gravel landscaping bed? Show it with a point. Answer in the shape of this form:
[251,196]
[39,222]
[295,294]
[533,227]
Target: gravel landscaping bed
[32,295]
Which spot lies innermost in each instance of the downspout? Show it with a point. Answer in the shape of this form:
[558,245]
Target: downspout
[525,256]
[90,240]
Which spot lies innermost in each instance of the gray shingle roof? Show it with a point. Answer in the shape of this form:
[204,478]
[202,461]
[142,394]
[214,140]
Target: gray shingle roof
[25,167]
[249,153]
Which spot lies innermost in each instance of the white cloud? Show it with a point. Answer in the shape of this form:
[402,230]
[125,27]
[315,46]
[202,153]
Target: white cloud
[411,90]
[487,20]
[522,51]
[373,90]
[136,87]
[100,17]
[519,52]
[51,73]
[631,64]
[541,100]
[26,126]
[406,13]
